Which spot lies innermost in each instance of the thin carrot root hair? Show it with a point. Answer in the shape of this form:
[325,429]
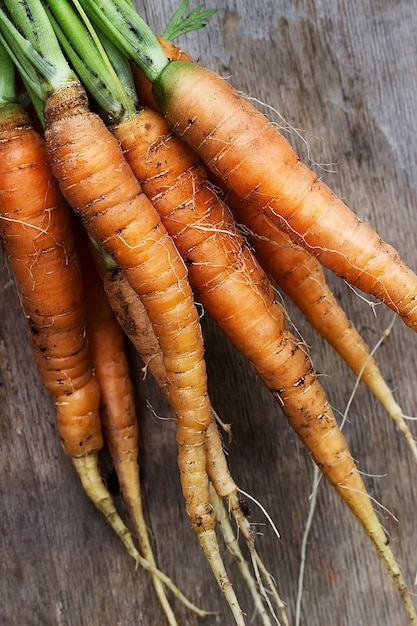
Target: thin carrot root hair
[226,490]
[87,468]
[255,585]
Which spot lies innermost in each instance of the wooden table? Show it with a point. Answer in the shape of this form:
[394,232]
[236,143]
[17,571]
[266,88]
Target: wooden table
[341,78]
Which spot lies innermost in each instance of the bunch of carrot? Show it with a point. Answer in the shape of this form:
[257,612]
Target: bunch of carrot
[163,193]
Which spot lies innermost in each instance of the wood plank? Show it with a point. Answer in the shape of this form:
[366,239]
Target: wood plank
[342,79]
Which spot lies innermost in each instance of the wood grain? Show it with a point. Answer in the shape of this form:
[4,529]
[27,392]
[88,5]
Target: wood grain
[342,78]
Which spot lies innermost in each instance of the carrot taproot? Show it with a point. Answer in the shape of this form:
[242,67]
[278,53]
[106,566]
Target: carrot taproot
[122,221]
[297,272]
[97,182]
[117,404]
[36,232]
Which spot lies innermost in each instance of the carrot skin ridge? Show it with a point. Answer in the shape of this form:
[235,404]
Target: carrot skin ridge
[194,225]
[244,149]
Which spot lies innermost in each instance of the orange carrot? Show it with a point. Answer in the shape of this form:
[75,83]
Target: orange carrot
[106,195]
[117,406]
[298,273]
[36,231]
[103,191]
[234,290]
[244,149]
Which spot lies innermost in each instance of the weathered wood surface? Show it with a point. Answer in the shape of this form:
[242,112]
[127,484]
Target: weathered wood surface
[345,74]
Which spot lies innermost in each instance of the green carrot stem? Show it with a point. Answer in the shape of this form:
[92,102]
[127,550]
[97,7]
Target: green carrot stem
[123,25]
[39,59]
[8,91]
[86,54]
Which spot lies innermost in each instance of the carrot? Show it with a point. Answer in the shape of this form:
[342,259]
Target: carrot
[298,273]
[97,182]
[36,231]
[132,233]
[117,406]
[280,361]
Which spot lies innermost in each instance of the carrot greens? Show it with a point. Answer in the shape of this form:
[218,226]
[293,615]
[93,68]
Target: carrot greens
[179,25]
